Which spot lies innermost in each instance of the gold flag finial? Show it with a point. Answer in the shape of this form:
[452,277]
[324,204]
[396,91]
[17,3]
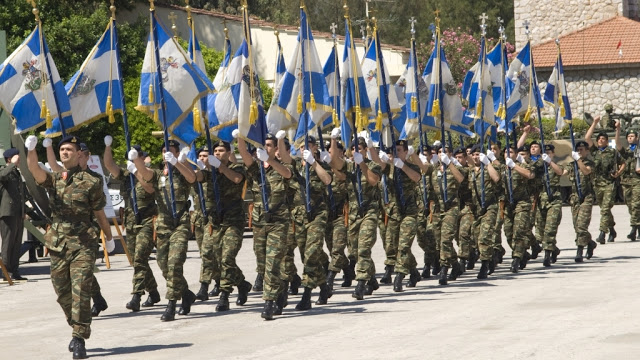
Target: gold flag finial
[226,31]
[173,17]
[112,8]
[188,8]
[346,9]
[35,10]
[152,6]
[301,4]
[243,3]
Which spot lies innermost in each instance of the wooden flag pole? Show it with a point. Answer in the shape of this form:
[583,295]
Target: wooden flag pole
[104,248]
[124,245]
[5,273]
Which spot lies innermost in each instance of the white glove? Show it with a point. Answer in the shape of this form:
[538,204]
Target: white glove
[108,140]
[575,156]
[456,162]
[168,157]
[133,154]
[357,157]
[491,155]
[31,142]
[434,160]
[398,163]
[280,134]
[484,159]
[423,158]
[369,143]
[235,133]
[47,142]
[383,156]
[520,159]
[111,245]
[410,150]
[307,155]
[444,159]
[325,157]
[262,154]
[213,161]
[546,158]
[131,167]
[510,163]
[200,164]
[335,133]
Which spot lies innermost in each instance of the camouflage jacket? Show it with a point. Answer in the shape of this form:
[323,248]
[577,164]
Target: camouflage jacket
[410,192]
[436,184]
[536,185]
[318,190]
[554,187]
[162,186]
[277,187]
[586,181]
[491,189]
[73,197]
[370,193]
[146,202]
[230,194]
[606,161]
[629,176]
[520,184]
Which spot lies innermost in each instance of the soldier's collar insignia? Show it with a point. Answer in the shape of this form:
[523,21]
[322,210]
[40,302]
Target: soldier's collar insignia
[65,175]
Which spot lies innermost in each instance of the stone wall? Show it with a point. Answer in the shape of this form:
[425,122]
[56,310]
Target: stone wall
[590,90]
[551,18]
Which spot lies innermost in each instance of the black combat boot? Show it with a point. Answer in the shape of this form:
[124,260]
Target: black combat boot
[257,285]
[79,351]
[535,250]
[349,273]
[484,270]
[223,302]
[305,302]
[436,265]
[169,312]
[371,286]
[243,292]
[492,264]
[216,289]
[397,282]
[463,266]
[414,277]
[554,255]
[282,300]
[324,294]
[99,304]
[295,284]
[525,259]
[632,233]
[154,298]
[188,298]
[473,257]
[455,271]
[72,344]
[547,258]
[269,310]
[579,258]
[601,237]
[444,271]
[358,293]
[590,247]
[388,271]
[515,265]
[502,253]
[202,294]
[331,277]
[134,304]
[612,235]
[426,271]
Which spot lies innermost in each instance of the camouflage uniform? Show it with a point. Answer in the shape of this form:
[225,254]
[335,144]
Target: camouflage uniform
[336,233]
[209,268]
[74,195]
[259,236]
[388,220]
[550,212]
[581,210]
[516,215]
[485,218]
[298,214]
[606,162]
[407,219]
[503,197]
[536,187]
[139,235]
[424,234]
[172,234]
[631,184]
[272,227]
[464,233]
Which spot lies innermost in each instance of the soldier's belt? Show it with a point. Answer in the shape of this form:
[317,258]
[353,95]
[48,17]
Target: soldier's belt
[72,220]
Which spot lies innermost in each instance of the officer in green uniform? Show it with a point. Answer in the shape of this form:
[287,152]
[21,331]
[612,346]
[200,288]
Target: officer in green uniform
[464,233]
[71,239]
[631,178]
[424,236]
[503,193]
[550,207]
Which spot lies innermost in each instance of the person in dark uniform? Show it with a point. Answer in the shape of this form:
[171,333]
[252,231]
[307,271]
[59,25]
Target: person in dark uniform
[11,212]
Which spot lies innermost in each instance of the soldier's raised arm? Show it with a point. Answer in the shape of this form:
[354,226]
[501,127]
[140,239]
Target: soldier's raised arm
[32,160]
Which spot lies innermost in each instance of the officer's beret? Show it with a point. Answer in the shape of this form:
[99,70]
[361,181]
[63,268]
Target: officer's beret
[459,150]
[549,147]
[476,148]
[339,145]
[70,139]
[534,142]
[523,148]
[582,143]
[426,148]
[219,143]
[203,148]
[403,143]
[271,137]
[632,131]
[84,147]
[172,142]
[362,141]
[602,133]
[144,154]
[312,139]
[9,153]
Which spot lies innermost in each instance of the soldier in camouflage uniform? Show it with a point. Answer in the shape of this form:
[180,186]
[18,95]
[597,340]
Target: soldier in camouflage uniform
[225,220]
[464,233]
[498,249]
[536,187]
[74,195]
[275,222]
[582,201]
[139,228]
[631,179]
[608,166]
[550,208]
[388,219]
[172,230]
[517,214]
[484,198]
[425,238]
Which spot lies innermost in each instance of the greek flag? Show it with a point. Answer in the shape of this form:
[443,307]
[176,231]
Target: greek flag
[416,94]
[277,120]
[478,91]
[30,86]
[521,79]
[354,98]
[556,95]
[179,85]
[332,78]
[217,128]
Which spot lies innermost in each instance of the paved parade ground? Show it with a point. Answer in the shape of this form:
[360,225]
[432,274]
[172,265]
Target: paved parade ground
[568,311]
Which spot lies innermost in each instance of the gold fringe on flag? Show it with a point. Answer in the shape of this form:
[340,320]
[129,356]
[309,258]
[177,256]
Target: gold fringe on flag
[479,109]
[196,120]
[253,112]
[43,109]
[109,108]
[336,121]
[501,113]
[527,115]
[313,102]
[435,110]
[49,120]
[299,103]
[379,121]
[561,105]
[414,104]
[150,93]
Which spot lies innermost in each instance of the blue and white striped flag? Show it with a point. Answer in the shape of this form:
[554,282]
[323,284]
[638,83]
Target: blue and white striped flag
[331,71]
[477,89]
[276,119]
[183,82]
[415,94]
[556,95]
[521,79]
[222,130]
[30,86]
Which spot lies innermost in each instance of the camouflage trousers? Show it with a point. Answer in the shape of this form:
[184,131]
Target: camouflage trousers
[172,243]
[383,221]
[227,241]
[632,198]
[210,266]
[198,223]
[259,247]
[547,224]
[390,239]
[289,268]
[534,219]
[464,233]
[497,234]
[407,232]
[315,260]
[336,239]
[483,230]
[72,277]
[143,278]
[426,240]
[363,233]
[448,224]
[581,215]
[274,235]
[605,196]
[516,227]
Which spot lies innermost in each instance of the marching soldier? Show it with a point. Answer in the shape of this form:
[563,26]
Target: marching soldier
[503,192]
[536,187]
[631,178]
[464,233]
[581,206]
[425,238]
[550,208]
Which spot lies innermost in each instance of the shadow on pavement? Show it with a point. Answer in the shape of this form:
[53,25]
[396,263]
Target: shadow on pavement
[135,349]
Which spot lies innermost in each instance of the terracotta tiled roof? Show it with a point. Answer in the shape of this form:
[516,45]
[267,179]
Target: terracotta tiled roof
[595,45]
